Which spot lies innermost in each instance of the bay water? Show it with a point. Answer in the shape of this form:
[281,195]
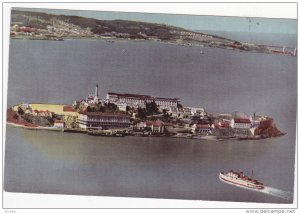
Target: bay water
[217,79]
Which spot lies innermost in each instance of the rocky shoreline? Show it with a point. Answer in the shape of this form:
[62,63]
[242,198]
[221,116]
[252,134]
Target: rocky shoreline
[264,131]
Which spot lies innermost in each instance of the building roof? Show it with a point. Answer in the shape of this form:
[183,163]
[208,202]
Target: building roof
[103,114]
[202,126]
[140,96]
[68,108]
[154,123]
[163,98]
[58,121]
[129,95]
[41,111]
[168,124]
[242,120]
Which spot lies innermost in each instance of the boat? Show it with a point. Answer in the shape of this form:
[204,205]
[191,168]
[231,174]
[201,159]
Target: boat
[105,133]
[258,137]
[58,39]
[74,130]
[240,179]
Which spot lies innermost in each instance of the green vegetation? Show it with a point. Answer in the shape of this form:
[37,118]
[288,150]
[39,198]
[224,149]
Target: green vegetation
[152,108]
[20,111]
[106,107]
[179,106]
[141,113]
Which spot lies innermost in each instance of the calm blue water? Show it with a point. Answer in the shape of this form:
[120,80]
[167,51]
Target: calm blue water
[218,80]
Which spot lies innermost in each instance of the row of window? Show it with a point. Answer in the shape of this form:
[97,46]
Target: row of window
[104,123]
[108,120]
[242,125]
[141,101]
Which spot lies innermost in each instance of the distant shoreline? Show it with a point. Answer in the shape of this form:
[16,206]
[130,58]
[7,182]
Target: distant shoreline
[44,26]
[201,45]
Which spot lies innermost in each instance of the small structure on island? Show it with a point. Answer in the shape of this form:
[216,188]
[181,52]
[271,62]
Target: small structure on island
[240,123]
[59,124]
[155,126]
[221,123]
[193,111]
[202,129]
[42,113]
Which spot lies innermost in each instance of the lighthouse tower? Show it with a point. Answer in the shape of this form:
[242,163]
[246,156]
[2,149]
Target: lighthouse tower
[96,95]
[96,91]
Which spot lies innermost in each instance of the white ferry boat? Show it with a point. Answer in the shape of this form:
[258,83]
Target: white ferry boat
[239,179]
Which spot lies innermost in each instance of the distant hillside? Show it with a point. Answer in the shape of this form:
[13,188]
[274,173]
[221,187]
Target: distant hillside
[42,20]
[43,26]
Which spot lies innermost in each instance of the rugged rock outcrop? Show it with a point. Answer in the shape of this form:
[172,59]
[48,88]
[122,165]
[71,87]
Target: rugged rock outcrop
[268,129]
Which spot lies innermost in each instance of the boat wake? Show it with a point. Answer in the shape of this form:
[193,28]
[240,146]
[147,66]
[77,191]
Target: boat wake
[277,193]
[274,192]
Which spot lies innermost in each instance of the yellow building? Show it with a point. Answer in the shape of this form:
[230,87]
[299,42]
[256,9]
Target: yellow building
[59,109]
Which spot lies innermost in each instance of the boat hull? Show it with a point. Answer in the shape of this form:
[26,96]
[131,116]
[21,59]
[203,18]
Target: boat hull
[239,182]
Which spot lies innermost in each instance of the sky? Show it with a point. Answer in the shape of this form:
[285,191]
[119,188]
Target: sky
[191,22]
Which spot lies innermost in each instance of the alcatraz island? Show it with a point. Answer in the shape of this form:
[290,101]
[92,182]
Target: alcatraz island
[119,115]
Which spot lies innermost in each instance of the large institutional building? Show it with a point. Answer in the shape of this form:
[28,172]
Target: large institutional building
[135,100]
[98,120]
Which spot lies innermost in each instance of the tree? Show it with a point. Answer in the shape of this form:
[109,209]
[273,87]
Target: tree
[111,107]
[102,109]
[179,105]
[152,108]
[89,109]
[128,108]
[164,111]
[166,114]
[141,113]
[20,111]
[50,119]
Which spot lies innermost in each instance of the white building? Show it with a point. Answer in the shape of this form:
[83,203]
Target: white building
[193,111]
[121,106]
[59,124]
[155,126]
[98,120]
[240,123]
[197,111]
[202,129]
[136,100]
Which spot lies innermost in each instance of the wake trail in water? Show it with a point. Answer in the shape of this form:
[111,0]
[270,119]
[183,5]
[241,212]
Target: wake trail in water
[276,192]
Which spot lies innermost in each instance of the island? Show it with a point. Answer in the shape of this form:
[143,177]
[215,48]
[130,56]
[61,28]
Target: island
[122,114]
[43,26]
